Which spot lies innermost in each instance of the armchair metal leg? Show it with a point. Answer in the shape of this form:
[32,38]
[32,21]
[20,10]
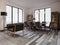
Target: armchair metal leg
[14,31]
[7,31]
[23,32]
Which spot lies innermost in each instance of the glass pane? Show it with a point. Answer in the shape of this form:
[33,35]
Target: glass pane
[8,17]
[37,15]
[41,15]
[48,16]
[15,15]
[20,15]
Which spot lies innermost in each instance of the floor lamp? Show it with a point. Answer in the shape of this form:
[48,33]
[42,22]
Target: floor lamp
[3,14]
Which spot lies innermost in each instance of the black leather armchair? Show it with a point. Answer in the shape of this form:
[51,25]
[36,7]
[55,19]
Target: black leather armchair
[15,27]
[36,26]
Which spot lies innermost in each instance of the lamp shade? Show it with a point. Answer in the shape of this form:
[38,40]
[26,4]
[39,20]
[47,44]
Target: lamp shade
[3,13]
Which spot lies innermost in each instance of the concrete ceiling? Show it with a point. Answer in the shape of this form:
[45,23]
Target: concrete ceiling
[32,3]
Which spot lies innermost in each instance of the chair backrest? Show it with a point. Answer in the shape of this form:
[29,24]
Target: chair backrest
[19,26]
[10,25]
[26,24]
[37,24]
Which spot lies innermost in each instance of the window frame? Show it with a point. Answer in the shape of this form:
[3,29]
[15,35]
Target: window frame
[44,13]
[17,14]
[22,15]
[11,13]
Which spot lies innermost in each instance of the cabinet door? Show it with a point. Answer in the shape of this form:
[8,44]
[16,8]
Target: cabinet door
[54,19]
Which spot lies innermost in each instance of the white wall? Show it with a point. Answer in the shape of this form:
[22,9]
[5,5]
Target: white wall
[54,7]
[3,4]
[19,6]
[2,9]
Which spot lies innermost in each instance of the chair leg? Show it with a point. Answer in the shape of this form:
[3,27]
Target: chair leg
[23,32]
[14,31]
[7,31]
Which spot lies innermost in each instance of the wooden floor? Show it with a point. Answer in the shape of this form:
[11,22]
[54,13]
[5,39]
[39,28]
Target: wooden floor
[31,38]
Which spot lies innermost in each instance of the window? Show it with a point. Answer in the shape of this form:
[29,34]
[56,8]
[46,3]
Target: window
[48,16]
[43,15]
[36,15]
[8,17]
[20,15]
[15,15]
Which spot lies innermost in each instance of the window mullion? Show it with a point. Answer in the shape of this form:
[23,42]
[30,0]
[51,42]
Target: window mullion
[44,15]
[22,15]
[11,14]
[18,15]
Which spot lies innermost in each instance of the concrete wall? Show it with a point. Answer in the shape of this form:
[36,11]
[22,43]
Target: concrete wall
[2,9]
